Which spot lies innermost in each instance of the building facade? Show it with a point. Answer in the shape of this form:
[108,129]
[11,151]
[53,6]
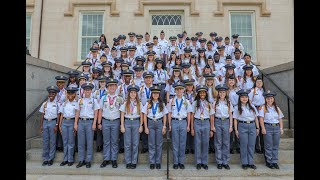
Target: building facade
[62,31]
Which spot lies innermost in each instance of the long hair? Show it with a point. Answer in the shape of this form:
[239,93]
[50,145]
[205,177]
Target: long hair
[205,58]
[123,56]
[254,86]
[213,88]
[128,103]
[111,74]
[189,73]
[115,65]
[150,103]
[240,108]
[76,80]
[195,67]
[218,99]
[274,104]
[227,74]
[162,67]
[245,76]
[147,62]
[231,87]
[198,99]
[171,80]
[170,58]
[104,37]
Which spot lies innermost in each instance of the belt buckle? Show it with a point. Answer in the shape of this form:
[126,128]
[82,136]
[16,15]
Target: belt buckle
[68,118]
[49,120]
[248,122]
[131,119]
[84,119]
[273,124]
[202,119]
[222,118]
[179,119]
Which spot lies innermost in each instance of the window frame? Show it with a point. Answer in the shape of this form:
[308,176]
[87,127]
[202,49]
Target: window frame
[81,13]
[253,29]
[29,14]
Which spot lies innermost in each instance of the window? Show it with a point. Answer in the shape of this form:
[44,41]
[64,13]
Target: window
[28,30]
[242,23]
[166,19]
[91,27]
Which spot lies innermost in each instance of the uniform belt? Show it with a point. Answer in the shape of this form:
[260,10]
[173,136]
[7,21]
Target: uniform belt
[222,118]
[85,119]
[153,119]
[132,119]
[179,119]
[69,118]
[272,124]
[109,119]
[160,84]
[50,119]
[246,122]
[202,119]
[171,95]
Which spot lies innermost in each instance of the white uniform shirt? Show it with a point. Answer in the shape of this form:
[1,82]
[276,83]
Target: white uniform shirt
[150,67]
[193,70]
[99,93]
[73,85]
[130,43]
[51,110]
[210,52]
[134,113]
[143,94]
[190,96]
[61,96]
[185,107]
[254,70]
[204,108]
[160,76]
[170,65]
[122,90]
[222,110]
[246,85]
[233,96]
[149,112]
[164,43]
[271,115]
[247,114]
[169,88]
[87,107]
[158,49]
[68,109]
[202,63]
[117,74]
[171,48]
[111,110]
[140,50]
[238,63]
[138,81]
[256,99]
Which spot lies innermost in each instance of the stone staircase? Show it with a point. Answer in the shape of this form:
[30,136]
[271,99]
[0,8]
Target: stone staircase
[34,169]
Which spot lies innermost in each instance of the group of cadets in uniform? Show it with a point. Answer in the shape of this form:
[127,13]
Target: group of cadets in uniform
[206,93]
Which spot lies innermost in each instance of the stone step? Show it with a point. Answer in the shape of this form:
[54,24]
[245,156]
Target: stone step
[285,157]
[285,143]
[143,171]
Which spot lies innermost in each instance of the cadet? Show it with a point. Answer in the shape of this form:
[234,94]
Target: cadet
[139,45]
[94,78]
[246,121]
[201,126]
[155,119]
[131,54]
[179,109]
[66,124]
[190,95]
[131,125]
[139,60]
[202,60]
[86,67]
[60,98]
[109,123]
[222,127]
[73,80]
[247,81]
[98,94]
[131,41]
[150,62]
[163,42]
[107,70]
[161,77]
[144,96]
[82,79]
[138,80]
[85,124]
[117,68]
[272,127]
[181,44]
[256,98]
[157,47]
[94,58]
[176,77]
[49,125]
[173,46]
[213,36]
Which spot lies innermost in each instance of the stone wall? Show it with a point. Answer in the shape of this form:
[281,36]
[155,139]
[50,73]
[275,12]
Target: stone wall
[39,75]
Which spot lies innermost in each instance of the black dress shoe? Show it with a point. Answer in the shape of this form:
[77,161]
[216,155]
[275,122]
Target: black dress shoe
[270,165]
[144,150]
[252,166]
[133,166]
[88,165]
[151,166]
[205,167]
[81,163]
[64,163]
[192,151]
[175,166]
[121,150]
[60,149]
[198,166]
[45,163]
[128,166]
[114,164]
[70,163]
[187,151]
[99,148]
[231,151]
[226,166]
[238,150]
[50,162]
[158,166]
[181,166]
[258,151]
[104,163]
[275,165]
[219,166]
[244,166]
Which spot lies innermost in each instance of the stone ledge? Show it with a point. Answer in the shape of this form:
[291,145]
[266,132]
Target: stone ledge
[73,3]
[46,64]
[279,68]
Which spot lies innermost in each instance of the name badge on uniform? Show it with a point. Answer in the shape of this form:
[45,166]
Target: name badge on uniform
[90,102]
